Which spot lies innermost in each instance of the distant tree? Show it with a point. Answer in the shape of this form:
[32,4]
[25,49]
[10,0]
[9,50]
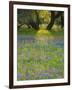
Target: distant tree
[34,22]
[55,15]
[28,17]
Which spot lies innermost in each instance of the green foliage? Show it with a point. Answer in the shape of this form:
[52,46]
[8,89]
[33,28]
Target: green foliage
[37,18]
[26,31]
[44,16]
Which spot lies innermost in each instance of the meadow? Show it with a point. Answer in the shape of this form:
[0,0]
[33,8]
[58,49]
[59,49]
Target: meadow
[40,55]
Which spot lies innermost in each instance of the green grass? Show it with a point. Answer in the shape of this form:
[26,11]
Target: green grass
[33,61]
[57,33]
[40,59]
[26,31]
[31,31]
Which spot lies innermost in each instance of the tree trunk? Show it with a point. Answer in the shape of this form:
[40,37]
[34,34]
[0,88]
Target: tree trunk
[54,16]
[35,24]
[52,21]
[37,19]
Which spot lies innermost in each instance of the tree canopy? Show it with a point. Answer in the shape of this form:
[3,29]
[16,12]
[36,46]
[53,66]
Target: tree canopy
[36,18]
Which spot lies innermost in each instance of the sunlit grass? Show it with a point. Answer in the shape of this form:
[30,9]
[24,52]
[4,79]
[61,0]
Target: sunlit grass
[41,32]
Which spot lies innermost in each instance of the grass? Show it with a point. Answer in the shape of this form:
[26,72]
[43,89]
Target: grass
[26,31]
[42,58]
[31,31]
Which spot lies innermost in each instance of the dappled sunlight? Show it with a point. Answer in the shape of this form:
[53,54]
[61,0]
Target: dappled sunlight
[43,35]
[43,32]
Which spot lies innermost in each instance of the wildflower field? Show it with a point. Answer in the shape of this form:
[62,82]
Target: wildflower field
[40,57]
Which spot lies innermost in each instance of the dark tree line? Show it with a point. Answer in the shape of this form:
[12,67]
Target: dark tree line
[33,19]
